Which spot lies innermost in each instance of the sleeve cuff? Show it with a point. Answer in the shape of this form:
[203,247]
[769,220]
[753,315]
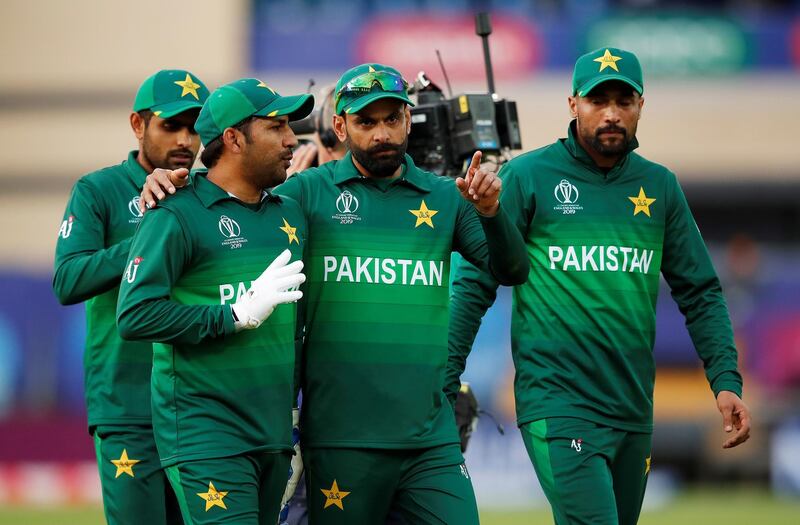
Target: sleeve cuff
[228,324]
[727,381]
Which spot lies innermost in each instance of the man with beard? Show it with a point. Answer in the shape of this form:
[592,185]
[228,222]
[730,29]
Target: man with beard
[92,250]
[376,428]
[224,363]
[601,223]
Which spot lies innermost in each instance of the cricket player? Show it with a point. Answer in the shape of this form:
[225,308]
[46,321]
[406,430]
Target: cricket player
[91,253]
[224,363]
[601,223]
[376,427]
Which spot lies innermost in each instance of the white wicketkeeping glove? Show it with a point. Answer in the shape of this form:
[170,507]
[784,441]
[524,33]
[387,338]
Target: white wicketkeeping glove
[273,287]
[295,468]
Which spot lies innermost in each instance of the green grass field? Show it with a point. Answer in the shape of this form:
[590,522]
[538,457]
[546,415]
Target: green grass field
[706,507]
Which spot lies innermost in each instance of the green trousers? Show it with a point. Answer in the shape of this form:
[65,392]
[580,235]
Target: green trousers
[244,489]
[135,488]
[591,474]
[358,486]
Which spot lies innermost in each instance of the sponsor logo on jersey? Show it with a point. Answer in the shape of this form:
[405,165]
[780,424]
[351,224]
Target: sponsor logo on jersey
[600,258]
[66,227]
[232,232]
[374,270]
[576,444]
[567,195]
[136,211]
[346,205]
[641,203]
[133,267]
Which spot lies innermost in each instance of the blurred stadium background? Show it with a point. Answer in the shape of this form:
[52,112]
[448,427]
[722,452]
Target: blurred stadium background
[723,105]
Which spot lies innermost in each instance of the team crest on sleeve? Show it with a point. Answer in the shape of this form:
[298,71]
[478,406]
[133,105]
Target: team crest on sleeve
[133,267]
[334,496]
[424,215]
[567,195]
[66,227]
[136,211]
[346,206]
[231,231]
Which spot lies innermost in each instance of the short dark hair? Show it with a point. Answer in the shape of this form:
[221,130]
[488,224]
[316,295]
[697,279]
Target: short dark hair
[213,151]
[146,115]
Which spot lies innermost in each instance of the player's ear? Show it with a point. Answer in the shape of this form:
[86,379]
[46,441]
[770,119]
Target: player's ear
[138,125]
[641,105]
[572,102]
[407,113]
[233,139]
[339,127]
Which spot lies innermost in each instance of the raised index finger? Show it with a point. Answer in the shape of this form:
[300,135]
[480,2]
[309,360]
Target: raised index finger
[475,163]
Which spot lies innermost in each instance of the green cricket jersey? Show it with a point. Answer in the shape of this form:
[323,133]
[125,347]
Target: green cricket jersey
[378,265]
[91,253]
[216,393]
[583,325]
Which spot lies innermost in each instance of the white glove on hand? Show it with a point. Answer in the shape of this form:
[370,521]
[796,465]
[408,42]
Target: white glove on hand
[268,291]
[295,468]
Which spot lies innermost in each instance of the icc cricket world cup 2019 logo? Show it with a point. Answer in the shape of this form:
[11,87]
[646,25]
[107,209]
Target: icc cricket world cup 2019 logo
[133,267]
[567,195]
[346,203]
[228,227]
[347,206]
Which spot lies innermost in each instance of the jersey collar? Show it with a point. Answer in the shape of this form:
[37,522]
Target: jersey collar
[210,194]
[135,170]
[345,171]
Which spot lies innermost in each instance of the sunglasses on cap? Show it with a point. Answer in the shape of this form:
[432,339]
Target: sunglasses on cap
[366,82]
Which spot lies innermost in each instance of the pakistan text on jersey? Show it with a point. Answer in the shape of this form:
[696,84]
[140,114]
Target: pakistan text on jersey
[374,270]
[600,258]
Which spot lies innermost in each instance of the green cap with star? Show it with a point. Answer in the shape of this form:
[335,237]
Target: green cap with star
[606,63]
[170,92]
[230,104]
[364,84]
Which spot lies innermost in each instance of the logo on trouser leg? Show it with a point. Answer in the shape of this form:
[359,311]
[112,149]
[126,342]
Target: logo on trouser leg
[213,497]
[334,496]
[647,465]
[464,471]
[124,464]
[576,444]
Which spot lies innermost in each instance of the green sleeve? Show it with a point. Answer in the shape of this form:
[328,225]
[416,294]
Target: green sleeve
[688,270]
[474,291]
[292,188]
[492,244]
[84,266]
[159,254]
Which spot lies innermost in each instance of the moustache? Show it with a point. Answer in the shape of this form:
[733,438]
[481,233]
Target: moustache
[181,152]
[611,129]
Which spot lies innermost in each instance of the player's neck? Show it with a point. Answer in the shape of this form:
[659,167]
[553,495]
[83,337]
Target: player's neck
[231,180]
[144,162]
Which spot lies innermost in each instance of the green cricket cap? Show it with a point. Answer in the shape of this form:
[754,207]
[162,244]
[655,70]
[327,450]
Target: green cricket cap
[170,92]
[362,85]
[606,63]
[232,103]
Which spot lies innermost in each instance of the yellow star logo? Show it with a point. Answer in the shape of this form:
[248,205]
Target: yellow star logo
[189,87]
[213,497]
[124,464]
[371,69]
[642,203]
[262,84]
[334,496]
[608,60]
[423,215]
[290,232]
[646,466]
